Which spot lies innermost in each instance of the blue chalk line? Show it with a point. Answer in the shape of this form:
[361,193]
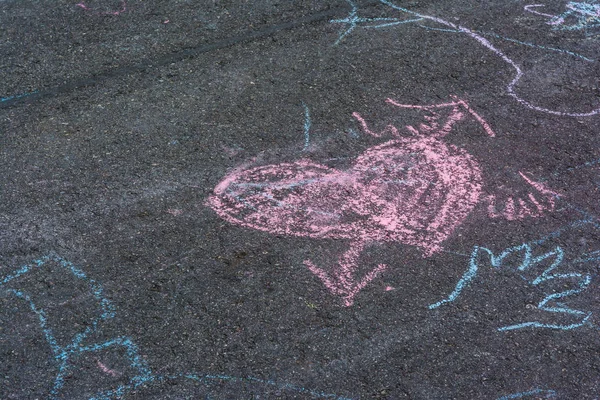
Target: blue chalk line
[491,34]
[307,124]
[17,96]
[65,355]
[62,355]
[548,394]
[353,20]
[587,164]
[463,282]
[589,257]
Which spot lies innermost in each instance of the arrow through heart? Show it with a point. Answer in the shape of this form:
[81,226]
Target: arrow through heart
[342,280]
[414,190]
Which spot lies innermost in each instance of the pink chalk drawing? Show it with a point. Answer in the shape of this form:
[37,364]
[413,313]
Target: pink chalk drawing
[519,209]
[92,10]
[175,212]
[414,190]
[107,370]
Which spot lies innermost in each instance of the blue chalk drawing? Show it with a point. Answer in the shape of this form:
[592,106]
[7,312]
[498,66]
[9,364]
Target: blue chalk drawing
[558,232]
[593,256]
[463,282]
[207,380]
[550,303]
[547,394]
[307,124]
[353,21]
[17,96]
[353,133]
[430,28]
[580,16]
[66,355]
[62,355]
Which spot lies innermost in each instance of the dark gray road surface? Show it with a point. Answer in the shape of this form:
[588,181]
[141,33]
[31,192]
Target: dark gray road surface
[119,278]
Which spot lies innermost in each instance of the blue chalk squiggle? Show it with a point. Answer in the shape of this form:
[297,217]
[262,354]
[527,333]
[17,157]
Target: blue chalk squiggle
[62,355]
[528,44]
[209,379]
[353,21]
[537,46]
[463,282]
[586,15]
[527,261]
[65,355]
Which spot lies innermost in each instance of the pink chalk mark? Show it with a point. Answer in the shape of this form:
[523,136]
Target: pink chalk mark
[174,212]
[392,129]
[231,151]
[454,118]
[389,288]
[519,209]
[107,370]
[342,281]
[541,188]
[86,8]
[509,211]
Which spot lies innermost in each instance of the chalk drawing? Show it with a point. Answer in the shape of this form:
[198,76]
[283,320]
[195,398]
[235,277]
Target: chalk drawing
[81,343]
[353,21]
[593,256]
[107,370]
[587,164]
[580,16]
[530,8]
[62,354]
[552,302]
[208,381]
[537,46]
[17,96]
[528,44]
[306,127]
[538,393]
[519,209]
[92,10]
[479,38]
[414,190]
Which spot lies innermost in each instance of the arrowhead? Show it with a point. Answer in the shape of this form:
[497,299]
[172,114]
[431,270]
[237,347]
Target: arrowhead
[341,281]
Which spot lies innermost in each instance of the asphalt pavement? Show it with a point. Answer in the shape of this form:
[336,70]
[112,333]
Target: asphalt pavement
[299,199]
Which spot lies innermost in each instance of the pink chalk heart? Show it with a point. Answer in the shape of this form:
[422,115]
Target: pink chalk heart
[414,191]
